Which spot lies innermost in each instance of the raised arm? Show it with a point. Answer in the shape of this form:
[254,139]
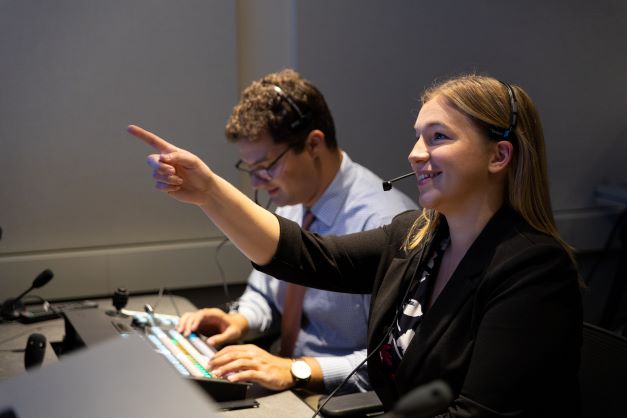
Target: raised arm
[185,177]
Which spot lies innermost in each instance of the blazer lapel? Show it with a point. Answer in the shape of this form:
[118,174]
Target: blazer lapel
[436,321]
[458,290]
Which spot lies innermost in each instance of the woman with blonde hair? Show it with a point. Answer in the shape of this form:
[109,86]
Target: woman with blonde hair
[477,289]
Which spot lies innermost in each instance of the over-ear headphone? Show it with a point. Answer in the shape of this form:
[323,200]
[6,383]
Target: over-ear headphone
[500,133]
[303,119]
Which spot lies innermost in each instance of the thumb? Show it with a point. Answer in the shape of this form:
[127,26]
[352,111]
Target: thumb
[181,158]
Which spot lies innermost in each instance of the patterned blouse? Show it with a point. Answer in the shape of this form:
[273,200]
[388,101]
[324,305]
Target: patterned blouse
[413,307]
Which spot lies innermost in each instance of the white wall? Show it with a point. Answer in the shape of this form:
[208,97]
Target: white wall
[76,195]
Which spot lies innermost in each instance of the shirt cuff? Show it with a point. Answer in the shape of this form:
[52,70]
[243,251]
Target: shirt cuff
[334,371]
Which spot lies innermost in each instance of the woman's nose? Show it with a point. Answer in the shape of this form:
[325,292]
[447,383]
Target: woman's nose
[418,153]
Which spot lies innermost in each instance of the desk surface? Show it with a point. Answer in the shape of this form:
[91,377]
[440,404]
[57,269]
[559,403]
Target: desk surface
[281,404]
[13,338]
[14,335]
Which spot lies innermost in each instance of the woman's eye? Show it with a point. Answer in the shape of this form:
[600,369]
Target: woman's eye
[437,137]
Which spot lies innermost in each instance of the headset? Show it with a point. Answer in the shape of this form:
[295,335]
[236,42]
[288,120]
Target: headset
[507,133]
[303,119]
[493,131]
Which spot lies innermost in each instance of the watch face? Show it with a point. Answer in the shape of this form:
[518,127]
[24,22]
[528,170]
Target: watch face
[301,370]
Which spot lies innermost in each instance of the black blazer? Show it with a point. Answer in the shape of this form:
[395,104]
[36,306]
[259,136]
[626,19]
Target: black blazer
[505,332]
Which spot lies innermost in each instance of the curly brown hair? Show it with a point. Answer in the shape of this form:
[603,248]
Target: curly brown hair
[263,109]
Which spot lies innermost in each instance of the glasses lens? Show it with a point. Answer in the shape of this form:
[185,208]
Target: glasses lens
[262,174]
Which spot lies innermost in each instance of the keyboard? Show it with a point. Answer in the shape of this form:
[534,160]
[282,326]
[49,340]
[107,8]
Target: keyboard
[188,355]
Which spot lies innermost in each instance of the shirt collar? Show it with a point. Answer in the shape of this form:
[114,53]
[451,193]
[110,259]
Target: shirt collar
[328,207]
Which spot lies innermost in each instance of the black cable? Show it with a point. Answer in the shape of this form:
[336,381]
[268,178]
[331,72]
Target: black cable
[334,391]
[176,308]
[412,267]
[164,290]
[159,297]
[232,304]
[221,270]
[39,298]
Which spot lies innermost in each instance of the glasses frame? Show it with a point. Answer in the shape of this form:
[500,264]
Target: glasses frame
[263,173]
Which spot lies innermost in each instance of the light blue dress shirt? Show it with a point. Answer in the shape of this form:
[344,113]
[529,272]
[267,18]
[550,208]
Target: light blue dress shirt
[334,329]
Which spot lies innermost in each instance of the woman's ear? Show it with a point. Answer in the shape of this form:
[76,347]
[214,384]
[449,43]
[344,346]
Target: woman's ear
[501,157]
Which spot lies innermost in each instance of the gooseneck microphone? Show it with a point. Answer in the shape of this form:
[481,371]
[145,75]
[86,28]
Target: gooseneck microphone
[11,307]
[387,184]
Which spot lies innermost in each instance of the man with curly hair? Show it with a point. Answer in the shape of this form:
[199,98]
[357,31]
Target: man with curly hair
[285,135]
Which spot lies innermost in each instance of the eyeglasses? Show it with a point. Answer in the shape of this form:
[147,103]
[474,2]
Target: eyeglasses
[264,173]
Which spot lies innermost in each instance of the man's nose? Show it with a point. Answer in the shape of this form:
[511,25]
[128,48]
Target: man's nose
[257,182]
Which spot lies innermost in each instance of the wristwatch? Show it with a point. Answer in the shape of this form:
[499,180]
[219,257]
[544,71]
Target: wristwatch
[301,373]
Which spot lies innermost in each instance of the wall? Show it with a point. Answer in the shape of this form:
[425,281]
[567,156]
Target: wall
[77,197]
[570,56]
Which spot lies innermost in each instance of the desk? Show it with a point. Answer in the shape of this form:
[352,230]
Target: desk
[14,335]
[13,338]
[277,405]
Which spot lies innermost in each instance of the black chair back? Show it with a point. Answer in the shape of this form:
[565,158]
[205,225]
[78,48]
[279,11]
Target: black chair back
[603,373]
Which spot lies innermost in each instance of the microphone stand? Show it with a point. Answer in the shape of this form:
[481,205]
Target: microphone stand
[11,307]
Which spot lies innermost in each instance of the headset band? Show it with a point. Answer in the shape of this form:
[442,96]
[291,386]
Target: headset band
[302,118]
[507,133]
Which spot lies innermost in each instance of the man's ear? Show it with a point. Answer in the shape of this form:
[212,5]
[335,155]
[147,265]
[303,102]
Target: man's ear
[501,156]
[314,141]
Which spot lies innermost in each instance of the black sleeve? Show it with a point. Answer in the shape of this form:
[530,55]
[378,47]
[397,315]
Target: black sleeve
[345,263]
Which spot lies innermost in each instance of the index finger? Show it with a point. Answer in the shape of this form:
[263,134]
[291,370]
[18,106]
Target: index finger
[151,139]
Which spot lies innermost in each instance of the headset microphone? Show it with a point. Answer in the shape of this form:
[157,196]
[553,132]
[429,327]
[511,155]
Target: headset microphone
[387,184]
